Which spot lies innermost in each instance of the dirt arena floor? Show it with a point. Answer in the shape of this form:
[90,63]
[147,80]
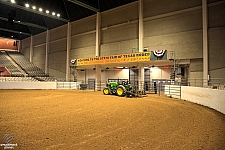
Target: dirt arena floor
[87,120]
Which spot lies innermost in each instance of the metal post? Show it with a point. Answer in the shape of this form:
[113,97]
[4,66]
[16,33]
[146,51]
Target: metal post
[169,89]
[94,85]
[180,92]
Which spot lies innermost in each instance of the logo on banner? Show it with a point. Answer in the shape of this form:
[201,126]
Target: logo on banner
[159,53]
[73,61]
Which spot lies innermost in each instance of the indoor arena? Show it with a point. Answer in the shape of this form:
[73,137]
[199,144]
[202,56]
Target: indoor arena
[115,74]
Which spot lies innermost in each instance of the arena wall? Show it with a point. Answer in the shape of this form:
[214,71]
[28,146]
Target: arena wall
[216,39]
[212,98]
[57,52]
[39,85]
[39,56]
[119,30]
[28,85]
[25,47]
[168,24]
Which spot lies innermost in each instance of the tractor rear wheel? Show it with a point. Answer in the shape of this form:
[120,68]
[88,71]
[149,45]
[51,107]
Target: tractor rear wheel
[106,91]
[121,90]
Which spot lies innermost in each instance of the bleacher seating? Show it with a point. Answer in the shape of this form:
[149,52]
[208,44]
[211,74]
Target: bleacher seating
[21,69]
[31,69]
[5,62]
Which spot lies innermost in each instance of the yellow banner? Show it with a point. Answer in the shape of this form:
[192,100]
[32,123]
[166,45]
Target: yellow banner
[134,57]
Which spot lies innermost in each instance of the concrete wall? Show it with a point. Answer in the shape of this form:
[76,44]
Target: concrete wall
[39,56]
[38,85]
[25,47]
[155,7]
[57,52]
[119,32]
[159,73]
[28,85]
[83,38]
[216,40]
[168,24]
[212,98]
[39,50]
[7,44]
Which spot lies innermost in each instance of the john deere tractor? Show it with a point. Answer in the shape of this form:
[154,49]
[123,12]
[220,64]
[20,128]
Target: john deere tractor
[121,87]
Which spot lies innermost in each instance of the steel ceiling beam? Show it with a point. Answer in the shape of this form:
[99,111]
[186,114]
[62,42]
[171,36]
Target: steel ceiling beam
[26,24]
[17,32]
[84,5]
[33,11]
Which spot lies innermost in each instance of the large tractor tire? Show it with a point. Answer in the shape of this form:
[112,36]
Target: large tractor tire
[121,90]
[106,91]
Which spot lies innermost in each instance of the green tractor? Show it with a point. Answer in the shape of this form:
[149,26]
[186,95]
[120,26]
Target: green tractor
[121,87]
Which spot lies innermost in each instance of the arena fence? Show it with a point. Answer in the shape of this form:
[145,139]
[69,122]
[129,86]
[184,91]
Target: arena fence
[159,88]
[214,83]
[67,85]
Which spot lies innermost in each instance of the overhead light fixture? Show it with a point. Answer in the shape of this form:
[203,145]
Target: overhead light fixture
[18,21]
[58,15]
[40,9]
[53,13]
[11,36]
[34,7]
[20,32]
[47,11]
[13,1]
[27,5]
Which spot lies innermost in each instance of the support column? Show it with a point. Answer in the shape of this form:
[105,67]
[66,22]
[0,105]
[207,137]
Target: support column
[98,34]
[31,48]
[68,51]
[19,45]
[46,51]
[98,78]
[205,42]
[140,26]
[141,77]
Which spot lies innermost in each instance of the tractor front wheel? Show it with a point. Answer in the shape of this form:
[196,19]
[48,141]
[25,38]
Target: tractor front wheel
[106,91]
[120,91]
